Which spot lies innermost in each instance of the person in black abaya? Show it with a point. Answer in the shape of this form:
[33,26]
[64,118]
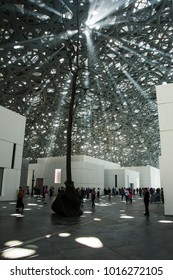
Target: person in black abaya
[146,201]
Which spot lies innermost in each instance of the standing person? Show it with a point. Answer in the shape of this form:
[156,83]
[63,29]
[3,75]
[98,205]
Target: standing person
[93,197]
[46,191]
[19,203]
[109,193]
[146,201]
[122,193]
[127,195]
[162,195]
[130,195]
[98,193]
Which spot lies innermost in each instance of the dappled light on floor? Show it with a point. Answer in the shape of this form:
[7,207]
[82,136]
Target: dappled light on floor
[87,212]
[103,204]
[32,204]
[92,242]
[97,219]
[124,216]
[13,243]
[17,253]
[64,234]
[165,222]
[17,215]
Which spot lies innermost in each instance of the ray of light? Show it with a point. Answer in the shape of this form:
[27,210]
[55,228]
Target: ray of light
[138,87]
[113,82]
[56,123]
[66,6]
[43,5]
[101,9]
[145,46]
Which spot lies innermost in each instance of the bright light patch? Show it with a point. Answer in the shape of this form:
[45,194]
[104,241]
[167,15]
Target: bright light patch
[87,212]
[13,243]
[165,222]
[48,236]
[32,204]
[17,253]
[103,204]
[97,219]
[64,234]
[57,176]
[17,215]
[92,242]
[123,216]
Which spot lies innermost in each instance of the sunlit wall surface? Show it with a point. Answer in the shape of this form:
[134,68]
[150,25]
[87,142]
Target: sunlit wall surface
[12,128]
[122,50]
[165,108]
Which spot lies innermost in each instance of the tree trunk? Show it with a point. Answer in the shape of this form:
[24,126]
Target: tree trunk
[69,183]
[68,203]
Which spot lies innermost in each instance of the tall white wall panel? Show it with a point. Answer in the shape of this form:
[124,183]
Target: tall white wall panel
[18,157]
[11,181]
[6,150]
[12,130]
[125,177]
[149,176]
[165,110]
[12,126]
[110,178]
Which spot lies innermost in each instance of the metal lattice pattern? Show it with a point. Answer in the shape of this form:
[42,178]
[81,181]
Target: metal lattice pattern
[125,49]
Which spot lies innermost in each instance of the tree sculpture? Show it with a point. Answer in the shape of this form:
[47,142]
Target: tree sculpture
[68,202]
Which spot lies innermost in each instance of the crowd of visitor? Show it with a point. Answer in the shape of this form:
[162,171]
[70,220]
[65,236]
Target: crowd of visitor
[150,195]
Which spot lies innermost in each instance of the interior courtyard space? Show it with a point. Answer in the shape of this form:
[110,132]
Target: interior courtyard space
[113,230]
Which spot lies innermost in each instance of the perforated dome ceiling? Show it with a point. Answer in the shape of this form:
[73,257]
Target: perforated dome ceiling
[123,50]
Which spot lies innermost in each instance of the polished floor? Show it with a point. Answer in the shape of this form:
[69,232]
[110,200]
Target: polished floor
[113,230]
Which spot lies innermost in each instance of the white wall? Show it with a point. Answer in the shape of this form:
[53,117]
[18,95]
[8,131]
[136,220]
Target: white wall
[12,129]
[165,110]
[155,177]
[109,178]
[149,176]
[132,177]
[124,178]
[84,174]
